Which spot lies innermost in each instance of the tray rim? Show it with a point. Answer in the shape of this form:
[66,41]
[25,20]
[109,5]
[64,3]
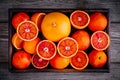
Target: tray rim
[10,10]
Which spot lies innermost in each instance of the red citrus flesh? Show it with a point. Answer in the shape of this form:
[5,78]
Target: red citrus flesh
[46,49]
[79,19]
[27,30]
[79,61]
[67,47]
[39,63]
[100,40]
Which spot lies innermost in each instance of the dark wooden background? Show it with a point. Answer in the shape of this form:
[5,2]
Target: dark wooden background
[113,5]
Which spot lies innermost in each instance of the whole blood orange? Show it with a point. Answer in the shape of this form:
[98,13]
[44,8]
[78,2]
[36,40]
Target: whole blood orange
[17,42]
[80,60]
[39,63]
[98,21]
[27,30]
[100,40]
[30,46]
[83,39]
[37,18]
[79,19]
[97,59]
[46,49]
[67,47]
[21,59]
[18,18]
[59,62]
[55,26]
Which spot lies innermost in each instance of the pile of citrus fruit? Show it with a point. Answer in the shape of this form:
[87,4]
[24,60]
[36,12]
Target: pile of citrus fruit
[55,39]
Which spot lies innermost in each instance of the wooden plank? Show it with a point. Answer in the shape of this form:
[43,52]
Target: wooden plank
[114,48]
[113,75]
[3,42]
[113,5]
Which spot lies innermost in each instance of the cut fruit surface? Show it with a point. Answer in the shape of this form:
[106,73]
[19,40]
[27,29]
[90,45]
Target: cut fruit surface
[55,26]
[100,40]
[17,42]
[46,49]
[67,47]
[27,30]
[39,63]
[79,61]
[37,18]
[79,19]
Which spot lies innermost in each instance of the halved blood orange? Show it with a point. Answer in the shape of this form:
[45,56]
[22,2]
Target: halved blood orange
[80,60]
[67,47]
[37,18]
[100,40]
[27,30]
[17,42]
[39,63]
[79,19]
[46,49]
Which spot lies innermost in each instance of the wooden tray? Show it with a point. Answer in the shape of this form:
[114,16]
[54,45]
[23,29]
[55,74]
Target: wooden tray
[30,11]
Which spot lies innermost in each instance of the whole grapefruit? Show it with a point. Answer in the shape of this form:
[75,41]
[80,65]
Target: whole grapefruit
[55,26]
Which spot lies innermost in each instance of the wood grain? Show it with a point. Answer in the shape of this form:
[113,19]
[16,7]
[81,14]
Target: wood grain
[113,5]
[113,75]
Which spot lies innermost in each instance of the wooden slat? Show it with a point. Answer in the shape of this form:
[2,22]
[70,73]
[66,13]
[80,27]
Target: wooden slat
[113,75]
[3,42]
[114,48]
[113,5]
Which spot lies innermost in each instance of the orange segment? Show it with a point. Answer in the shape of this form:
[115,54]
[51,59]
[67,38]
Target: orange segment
[17,42]
[67,47]
[79,61]
[100,40]
[46,49]
[27,30]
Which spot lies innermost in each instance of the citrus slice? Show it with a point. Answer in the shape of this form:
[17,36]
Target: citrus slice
[37,18]
[79,61]
[27,30]
[100,40]
[67,47]
[17,42]
[46,49]
[55,26]
[39,63]
[79,19]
